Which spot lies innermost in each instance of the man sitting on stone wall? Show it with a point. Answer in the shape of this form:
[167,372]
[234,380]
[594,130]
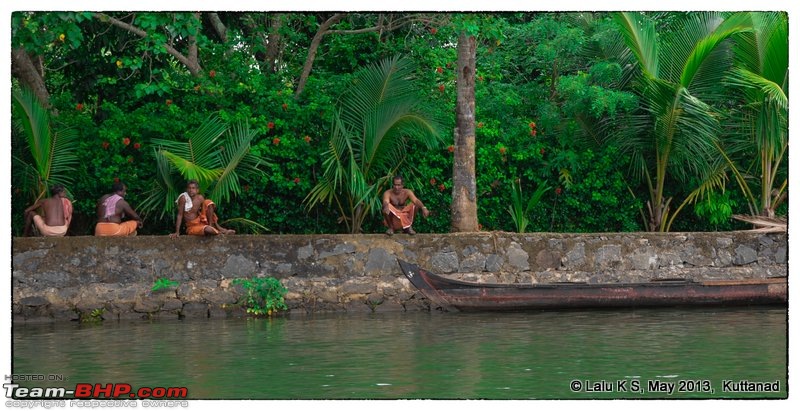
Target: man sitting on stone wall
[198,213]
[111,209]
[57,210]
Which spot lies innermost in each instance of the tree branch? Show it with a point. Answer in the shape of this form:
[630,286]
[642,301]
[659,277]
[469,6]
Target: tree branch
[218,26]
[312,51]
[189,61]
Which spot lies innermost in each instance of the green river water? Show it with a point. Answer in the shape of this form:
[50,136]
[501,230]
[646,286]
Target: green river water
[633,354]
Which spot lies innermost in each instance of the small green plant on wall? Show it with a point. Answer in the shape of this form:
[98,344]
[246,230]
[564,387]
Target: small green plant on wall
[265,295]
[93,317]
[163,283]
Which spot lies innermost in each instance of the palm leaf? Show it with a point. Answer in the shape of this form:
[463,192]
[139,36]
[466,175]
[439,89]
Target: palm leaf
[237,159]
[377,116]
[52,152]
[640,36]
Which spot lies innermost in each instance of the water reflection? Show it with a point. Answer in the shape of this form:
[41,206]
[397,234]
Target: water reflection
[417,355]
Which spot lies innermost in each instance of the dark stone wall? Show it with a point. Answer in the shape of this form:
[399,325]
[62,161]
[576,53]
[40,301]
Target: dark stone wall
[72,277]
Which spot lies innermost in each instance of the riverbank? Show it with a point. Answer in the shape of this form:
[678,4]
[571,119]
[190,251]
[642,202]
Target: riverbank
[61,279]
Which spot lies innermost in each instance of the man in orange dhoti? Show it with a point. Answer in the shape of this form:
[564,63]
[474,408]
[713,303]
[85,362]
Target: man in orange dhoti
[57,211]
[198,213]
[111,209]
[399,207]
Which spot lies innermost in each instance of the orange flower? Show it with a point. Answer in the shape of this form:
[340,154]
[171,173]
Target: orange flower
[126,141]
[285,106]
[297,180]
[105,144]
[480,124]
[433,181]
[439,70]
[441,88]
[137,146]
[451,148]
[307,139]
[276,141]
[270,125]
[433,30]
[169,102]
[79,107]
[441,187]
[503,150]
[212,73]
[533,132]
[532,125]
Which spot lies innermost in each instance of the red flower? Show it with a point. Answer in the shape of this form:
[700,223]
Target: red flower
[105,144]
[169,102]
[439,70]
[441,187]
[307,139]
[433,30]
[558,191]
[541,151]
[441,88]
[503,150]
[480,124]
[212,73]
[137,146]
[79,107]
[270,125]
[126,141]
[451,148]
[285,106]
[276,141]
[297,180]
[433,181]
[532,125]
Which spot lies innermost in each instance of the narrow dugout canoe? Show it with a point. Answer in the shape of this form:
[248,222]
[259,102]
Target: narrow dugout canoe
[468,296]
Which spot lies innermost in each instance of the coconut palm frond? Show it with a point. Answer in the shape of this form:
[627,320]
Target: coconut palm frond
[640,36]
[238,160]
[377,117]
[52,151]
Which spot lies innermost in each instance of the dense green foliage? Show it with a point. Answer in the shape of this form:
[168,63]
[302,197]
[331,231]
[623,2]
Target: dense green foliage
[562,101]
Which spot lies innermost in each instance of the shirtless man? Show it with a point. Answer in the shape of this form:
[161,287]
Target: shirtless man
[57,210]
[399,206]
[111,209]
[198,213]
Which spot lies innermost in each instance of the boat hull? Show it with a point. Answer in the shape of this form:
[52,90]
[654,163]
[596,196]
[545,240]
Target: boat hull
[467,296]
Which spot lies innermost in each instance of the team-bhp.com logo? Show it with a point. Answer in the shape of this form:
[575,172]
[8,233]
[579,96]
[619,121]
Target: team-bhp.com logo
[93,391]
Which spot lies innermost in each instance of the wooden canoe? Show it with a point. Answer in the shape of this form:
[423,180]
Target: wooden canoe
[468,296]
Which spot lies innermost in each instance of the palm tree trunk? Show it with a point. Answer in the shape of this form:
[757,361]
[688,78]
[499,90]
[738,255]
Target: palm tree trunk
[464,209]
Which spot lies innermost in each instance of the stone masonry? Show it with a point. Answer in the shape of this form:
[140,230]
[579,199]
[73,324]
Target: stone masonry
[72,278]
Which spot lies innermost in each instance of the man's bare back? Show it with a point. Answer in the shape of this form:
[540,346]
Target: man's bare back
[53,209]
